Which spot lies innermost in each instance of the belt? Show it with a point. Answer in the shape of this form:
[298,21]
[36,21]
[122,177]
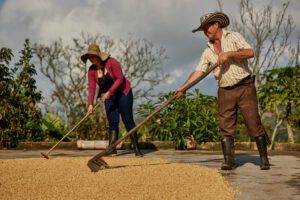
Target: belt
[245,81]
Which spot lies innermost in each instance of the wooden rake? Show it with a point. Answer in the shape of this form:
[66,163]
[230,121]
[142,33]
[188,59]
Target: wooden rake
[97,163]
[46,155]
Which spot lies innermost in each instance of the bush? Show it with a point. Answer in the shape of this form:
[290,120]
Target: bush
[53,127]
[195,115]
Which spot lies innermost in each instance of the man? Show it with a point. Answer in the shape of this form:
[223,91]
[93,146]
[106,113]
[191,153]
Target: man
[236,85]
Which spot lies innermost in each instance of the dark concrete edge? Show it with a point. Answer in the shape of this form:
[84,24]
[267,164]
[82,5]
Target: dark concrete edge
[209,146]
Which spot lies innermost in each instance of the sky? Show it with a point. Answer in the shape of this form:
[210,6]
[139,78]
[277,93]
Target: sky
[167,23]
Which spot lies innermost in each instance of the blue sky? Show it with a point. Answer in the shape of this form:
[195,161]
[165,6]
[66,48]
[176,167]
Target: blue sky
[167,23]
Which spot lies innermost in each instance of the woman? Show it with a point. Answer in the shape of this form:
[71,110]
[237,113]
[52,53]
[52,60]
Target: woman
[115,90]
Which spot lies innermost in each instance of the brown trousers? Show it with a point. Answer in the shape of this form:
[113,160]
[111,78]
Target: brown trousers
[243,97]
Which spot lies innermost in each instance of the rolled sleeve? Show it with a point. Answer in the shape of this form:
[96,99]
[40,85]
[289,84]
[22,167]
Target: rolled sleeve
[203,63]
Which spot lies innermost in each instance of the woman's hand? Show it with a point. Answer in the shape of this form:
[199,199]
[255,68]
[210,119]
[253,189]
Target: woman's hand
[90,110]
[106,96]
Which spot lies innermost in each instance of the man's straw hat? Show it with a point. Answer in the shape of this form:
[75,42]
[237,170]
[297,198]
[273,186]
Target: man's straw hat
[213,17]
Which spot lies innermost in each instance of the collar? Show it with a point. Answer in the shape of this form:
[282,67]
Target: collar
[225,33]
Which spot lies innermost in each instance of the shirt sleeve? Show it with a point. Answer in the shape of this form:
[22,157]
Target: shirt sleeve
[240,41]
[119,77]
[203,63]
[91,86]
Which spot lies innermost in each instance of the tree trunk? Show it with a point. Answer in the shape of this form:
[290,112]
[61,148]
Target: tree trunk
[290,132]
[274,134]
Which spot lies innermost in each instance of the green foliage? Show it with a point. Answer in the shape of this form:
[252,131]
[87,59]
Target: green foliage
[53,127]
[194,115]
[20,116]
[94,128]
[281,92]
[6,85]
[5,58]
[5,81]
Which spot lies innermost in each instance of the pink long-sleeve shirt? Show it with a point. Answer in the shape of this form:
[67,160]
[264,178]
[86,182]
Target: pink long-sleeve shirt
[113,67]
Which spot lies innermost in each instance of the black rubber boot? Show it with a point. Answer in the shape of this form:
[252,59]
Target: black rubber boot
[113,137]
[228,152]
[262,142]
[134,141]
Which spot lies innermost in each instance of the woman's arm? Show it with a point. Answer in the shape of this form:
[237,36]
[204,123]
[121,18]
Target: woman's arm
[91,86]
[119,77]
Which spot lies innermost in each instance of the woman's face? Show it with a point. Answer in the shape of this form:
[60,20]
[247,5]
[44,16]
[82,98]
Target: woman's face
[94,60]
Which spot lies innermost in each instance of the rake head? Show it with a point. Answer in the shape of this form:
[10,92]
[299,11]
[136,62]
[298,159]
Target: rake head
[96,164]
[45,156]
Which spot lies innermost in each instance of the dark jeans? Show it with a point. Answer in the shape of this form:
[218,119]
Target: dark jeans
[120,104]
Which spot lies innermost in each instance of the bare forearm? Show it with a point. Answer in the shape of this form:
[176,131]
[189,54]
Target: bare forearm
[194,75]
[241,54]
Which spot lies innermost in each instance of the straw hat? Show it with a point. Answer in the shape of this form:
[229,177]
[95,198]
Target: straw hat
[94,50]
[213,17]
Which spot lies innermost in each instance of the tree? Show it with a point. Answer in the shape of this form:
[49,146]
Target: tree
[67,74]
[6,85]
[27,96]
[20,114]
[142,63]
[269,34]
[281,94]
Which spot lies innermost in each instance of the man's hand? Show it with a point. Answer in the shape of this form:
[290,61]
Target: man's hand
[193,76]
[179,93]
[223,57]
[90,110]
[106,96]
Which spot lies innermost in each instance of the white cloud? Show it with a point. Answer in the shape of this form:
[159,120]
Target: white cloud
[175,74]
[165,22]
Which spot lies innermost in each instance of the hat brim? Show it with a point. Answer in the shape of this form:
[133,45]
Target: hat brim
[195,30]
[103,56]
[216,17]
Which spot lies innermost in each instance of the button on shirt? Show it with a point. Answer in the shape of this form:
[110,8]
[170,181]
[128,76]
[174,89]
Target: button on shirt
[234,70]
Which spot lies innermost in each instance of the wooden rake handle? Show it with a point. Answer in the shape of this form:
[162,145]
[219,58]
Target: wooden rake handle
[112,146]
[46,155]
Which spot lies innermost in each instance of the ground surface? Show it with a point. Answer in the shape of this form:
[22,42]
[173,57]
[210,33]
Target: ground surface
[250,183]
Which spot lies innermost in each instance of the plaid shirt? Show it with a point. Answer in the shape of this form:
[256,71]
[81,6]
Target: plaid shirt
[233,70]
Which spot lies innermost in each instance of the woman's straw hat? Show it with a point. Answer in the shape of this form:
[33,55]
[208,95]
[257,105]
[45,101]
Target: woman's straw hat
[94,50]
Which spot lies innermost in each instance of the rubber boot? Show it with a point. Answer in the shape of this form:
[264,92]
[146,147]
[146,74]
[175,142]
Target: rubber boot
[134,141]
[113,137]
[262,142]
[228,152]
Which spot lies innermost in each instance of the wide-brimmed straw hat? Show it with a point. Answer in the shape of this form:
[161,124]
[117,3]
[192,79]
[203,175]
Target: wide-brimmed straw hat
[213,17]
[94,49]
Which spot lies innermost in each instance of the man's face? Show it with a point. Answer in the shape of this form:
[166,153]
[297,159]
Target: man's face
[210,30]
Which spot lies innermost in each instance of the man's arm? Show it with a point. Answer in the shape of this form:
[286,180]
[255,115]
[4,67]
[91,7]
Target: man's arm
[240,54]
[193,76]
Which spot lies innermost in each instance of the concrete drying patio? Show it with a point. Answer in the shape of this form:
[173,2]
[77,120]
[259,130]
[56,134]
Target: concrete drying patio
[281,182]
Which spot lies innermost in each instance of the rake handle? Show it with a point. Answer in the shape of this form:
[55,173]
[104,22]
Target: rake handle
[70,131]
[112,146]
